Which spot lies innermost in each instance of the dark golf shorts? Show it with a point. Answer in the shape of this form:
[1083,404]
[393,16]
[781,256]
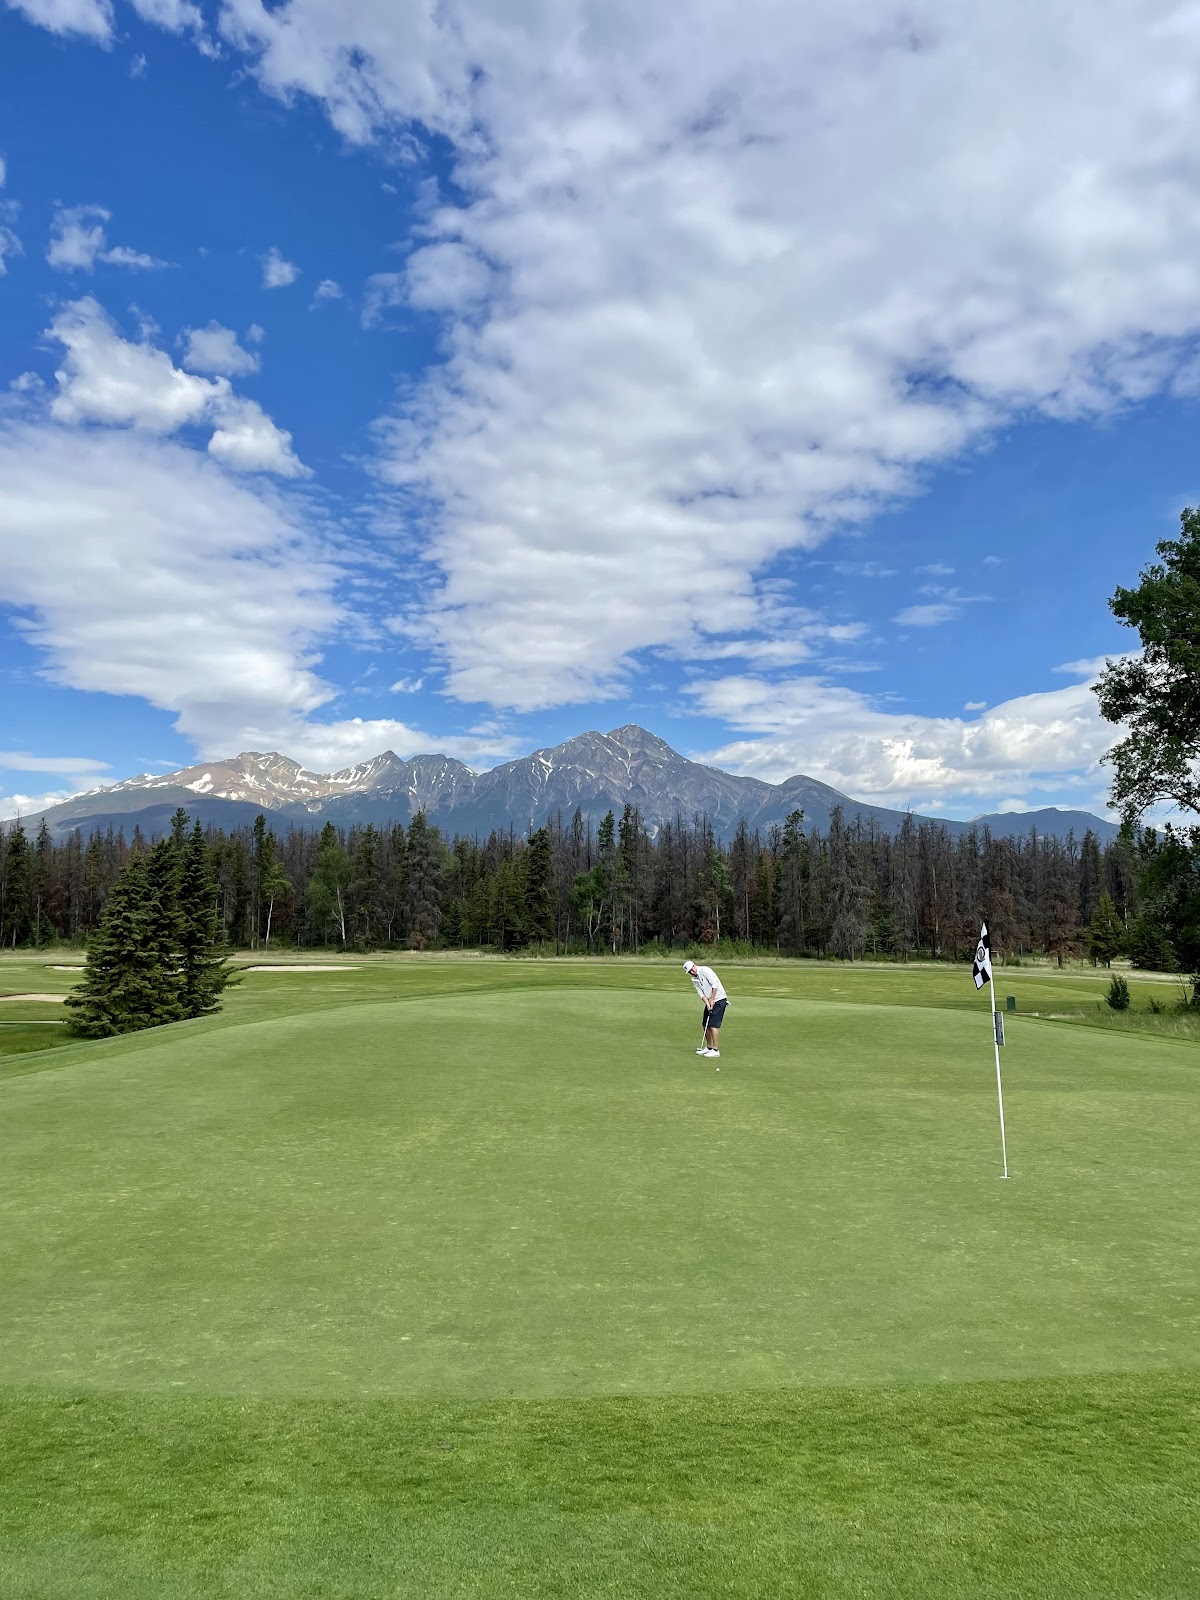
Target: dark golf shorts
[712,1019]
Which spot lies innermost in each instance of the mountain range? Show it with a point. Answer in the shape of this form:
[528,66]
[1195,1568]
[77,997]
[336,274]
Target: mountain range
[596,772]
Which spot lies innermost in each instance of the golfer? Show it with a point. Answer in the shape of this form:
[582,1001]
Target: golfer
[712,991]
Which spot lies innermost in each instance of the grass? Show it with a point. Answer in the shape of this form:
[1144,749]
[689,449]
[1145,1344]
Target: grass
[1029,1489]
[432,1277]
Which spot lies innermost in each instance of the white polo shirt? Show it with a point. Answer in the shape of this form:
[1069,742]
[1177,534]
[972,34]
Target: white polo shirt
[708,986]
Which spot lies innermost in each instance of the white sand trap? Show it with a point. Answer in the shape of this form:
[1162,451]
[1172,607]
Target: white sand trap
[75,966]
[278,967]
[58,997]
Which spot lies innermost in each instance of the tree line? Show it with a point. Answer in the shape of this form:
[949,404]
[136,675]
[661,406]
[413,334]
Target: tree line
[849,890]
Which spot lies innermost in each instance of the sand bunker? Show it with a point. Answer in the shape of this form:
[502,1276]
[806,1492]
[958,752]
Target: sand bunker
[279,967]
[57,997]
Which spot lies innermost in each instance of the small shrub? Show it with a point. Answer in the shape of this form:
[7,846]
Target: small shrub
[1118,993]
[1155,1006]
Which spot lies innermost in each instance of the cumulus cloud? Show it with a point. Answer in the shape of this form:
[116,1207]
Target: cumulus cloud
[868,749]
[328,289]
[91,18]
[107,379]
[78,239]
[278,273]
[216,349]
[709,331]
[247,439]
[138,566]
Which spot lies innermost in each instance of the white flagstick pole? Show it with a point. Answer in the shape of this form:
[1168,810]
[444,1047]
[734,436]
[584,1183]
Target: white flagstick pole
[999,1084]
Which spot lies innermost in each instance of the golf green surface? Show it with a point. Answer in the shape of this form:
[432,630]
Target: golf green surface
[468,1277]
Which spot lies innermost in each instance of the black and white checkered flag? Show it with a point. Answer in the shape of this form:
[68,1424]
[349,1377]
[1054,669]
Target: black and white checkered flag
[982,970]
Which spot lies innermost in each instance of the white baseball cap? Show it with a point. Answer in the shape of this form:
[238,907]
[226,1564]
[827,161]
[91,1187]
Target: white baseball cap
[688,965]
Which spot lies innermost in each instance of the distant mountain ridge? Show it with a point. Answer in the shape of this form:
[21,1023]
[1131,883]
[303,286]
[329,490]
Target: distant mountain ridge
[596,772]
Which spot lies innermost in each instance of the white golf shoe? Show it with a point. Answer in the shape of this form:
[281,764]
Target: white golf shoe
[712,1053]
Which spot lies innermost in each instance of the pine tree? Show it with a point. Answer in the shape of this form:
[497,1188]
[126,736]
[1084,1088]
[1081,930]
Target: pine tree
[425,870]
[17,889]
[539,889]
[204,974]
[123,984]
[1104,932]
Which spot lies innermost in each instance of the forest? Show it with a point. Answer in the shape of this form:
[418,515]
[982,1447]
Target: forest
[850,892]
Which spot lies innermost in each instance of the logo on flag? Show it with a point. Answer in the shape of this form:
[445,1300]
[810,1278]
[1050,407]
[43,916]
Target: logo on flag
[982,970]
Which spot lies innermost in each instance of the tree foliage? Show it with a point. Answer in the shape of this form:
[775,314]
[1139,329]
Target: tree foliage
[156,956]
[1156,695]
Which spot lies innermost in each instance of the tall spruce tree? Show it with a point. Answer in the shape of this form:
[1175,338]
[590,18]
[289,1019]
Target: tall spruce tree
[204,974]
[1104,932]
[124,986]
[539,889]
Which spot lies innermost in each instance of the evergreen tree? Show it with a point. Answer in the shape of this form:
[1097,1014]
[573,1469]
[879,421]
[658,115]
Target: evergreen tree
[425,872]
[1104,932]
[539,889]
[204,973]
[17,888]
[124,987]
[164,932]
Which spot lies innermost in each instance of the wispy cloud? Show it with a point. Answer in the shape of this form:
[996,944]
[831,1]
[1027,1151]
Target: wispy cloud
[78,239]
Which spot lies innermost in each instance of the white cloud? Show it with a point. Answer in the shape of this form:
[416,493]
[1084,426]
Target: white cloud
[10,243]
[139,66]
[926,616]
[711,331]
[138,566]
[247,440]
[104,378]
[77,773]
[1092,666]
[92,18]
[277,273]
[407,685]
[446,277]
[895,758]
[328,289]
[107,379]
[975,705]
[74,766]
[3,172]
[384,291]
[79,239]
[216,349]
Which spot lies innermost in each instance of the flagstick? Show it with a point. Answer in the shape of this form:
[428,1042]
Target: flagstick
[999,1085]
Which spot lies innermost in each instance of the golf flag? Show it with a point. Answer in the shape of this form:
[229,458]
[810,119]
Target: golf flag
[982,970]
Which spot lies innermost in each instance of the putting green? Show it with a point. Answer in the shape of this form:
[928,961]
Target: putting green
[544,1192]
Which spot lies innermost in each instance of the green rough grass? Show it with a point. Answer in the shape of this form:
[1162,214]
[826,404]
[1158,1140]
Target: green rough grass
[778,1331]
[1043,1489]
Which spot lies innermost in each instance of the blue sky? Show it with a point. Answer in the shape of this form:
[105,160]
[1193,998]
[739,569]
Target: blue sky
[460,377]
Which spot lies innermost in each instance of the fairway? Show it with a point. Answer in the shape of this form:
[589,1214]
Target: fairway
[443,1188]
